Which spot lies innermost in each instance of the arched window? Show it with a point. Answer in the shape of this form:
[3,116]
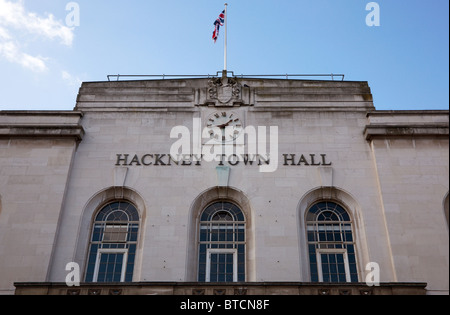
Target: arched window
[222,244]
[112,249]
[331,244]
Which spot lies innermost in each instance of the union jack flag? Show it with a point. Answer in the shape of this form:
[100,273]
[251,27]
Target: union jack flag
[217,24]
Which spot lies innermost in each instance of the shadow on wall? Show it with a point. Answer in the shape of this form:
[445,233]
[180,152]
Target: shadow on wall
[446,206]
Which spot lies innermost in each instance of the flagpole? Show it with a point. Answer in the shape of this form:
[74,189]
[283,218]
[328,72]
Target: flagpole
[225,38]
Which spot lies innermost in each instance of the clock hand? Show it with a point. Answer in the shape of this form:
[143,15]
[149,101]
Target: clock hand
[224,125]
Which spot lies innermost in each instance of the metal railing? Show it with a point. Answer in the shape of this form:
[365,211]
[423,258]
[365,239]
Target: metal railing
[118,77]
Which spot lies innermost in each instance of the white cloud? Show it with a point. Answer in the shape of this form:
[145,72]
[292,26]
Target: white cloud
[15,22]
[13,14]
[4,34]
[11,52]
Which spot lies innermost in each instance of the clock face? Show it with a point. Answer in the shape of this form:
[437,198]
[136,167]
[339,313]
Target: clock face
[229,124]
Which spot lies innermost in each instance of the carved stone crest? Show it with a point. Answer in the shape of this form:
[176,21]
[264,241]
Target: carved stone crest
[224,91]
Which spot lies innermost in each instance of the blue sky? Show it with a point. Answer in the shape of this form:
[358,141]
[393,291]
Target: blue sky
[43,60]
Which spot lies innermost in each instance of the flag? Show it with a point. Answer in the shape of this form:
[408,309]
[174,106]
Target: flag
[217,24]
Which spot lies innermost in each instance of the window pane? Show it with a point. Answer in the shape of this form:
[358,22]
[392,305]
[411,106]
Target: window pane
[222,216]
[134,229]
[222,268]
[333,271]
[314,276]
[203,235]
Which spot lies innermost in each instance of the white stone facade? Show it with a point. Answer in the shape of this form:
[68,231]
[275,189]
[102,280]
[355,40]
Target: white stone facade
[388,169]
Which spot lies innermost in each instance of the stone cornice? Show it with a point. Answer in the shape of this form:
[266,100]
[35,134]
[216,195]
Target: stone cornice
[408,123]
[383,131]
[42,131]
[41,124]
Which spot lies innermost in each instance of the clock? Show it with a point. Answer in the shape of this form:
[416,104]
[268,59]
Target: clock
[224,126]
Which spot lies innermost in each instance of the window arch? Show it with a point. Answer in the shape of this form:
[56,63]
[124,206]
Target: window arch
[222,243]
[114,238]
[331,244]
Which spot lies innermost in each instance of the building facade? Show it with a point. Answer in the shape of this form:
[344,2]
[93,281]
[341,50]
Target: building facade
[224,185]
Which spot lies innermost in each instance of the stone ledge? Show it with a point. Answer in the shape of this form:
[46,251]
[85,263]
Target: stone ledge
[59,118]
[384,131]
[41,113]
[195,288]
[42,131]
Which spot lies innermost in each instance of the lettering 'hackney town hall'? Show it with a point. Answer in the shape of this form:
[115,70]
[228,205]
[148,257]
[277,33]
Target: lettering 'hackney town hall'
[101,187]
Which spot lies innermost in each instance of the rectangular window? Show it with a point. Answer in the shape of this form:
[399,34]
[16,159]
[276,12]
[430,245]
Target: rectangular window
[115,233]
[110,265]
[226,237]
[333,266]
[221,265]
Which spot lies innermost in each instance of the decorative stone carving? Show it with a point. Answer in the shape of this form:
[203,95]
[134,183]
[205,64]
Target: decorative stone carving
[240,291]
[224,92]
[198,292]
